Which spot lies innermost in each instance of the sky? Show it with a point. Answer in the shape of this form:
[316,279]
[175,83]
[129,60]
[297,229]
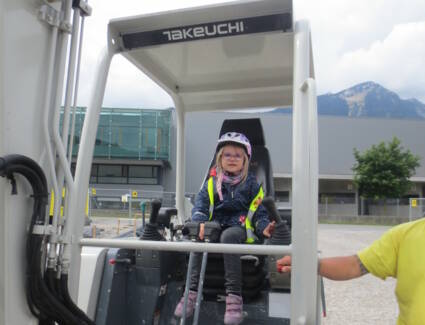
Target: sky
[353,41]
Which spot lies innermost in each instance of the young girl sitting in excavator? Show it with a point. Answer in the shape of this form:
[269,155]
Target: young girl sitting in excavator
[231,197]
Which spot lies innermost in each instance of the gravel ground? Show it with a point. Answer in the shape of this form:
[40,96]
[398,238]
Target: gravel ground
[367,300]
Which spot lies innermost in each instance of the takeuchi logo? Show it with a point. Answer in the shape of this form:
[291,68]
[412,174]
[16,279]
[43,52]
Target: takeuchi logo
[209,30]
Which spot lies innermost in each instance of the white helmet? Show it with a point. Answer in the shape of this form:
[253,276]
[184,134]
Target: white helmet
[235,137]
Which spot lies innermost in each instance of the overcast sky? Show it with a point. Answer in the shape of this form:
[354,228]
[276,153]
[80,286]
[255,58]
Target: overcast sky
[353,41]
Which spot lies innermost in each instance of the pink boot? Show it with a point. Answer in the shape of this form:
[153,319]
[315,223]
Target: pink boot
[233,313]
[191,301]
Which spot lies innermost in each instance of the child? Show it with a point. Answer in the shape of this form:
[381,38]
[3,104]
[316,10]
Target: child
[234,192]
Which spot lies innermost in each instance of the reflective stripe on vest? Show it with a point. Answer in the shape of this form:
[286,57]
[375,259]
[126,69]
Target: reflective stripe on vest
[211,195]
[250,234]
[250,231]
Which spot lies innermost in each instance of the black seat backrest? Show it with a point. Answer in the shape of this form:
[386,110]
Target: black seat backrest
[260,163]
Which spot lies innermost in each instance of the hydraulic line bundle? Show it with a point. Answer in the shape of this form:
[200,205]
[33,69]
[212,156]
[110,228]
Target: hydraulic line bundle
[46,286]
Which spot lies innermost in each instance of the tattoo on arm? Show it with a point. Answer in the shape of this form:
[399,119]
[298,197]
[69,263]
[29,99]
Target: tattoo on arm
[363,269]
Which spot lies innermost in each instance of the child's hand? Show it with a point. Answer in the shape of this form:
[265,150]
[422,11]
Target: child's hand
[201,231]
[283,265]
[268,231]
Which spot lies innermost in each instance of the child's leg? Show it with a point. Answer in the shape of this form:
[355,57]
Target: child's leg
[196,269]
[232,262]
[193,287]
[233,275]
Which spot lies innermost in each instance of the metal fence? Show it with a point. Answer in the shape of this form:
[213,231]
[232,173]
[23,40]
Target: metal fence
[127,203]
[134,204]
[416,208]
[381,211]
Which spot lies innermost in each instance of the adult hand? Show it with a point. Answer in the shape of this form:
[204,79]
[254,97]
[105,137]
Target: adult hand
[283,265]
[201,231]
[268,231]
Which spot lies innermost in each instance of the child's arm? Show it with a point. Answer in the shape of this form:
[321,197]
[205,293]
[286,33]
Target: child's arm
[261,221]
[261,218]
[200,211]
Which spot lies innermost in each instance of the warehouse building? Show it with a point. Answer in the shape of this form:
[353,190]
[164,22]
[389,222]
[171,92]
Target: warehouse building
[135,151]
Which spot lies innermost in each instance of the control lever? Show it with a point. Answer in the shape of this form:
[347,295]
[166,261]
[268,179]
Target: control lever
[150,231]
[281,234]
[270,206]
[155,206]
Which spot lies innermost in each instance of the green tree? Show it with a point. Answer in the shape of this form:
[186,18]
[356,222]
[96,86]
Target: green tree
[383,171]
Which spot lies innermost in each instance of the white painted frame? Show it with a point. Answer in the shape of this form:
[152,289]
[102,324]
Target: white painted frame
[304,296]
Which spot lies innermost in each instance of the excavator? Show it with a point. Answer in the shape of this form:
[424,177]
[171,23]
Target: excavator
[246,54]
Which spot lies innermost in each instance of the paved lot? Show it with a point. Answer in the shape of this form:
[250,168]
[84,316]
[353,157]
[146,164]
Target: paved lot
[367,300]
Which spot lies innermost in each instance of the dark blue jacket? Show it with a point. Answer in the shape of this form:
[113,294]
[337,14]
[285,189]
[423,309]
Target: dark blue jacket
[236,201]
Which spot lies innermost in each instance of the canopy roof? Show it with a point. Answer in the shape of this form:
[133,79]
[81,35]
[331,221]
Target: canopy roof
[225,56]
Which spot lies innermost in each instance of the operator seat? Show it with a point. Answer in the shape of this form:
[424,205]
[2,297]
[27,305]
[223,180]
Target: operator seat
[253,275]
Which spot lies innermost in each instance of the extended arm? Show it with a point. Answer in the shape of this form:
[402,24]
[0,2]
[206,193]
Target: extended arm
[341,268]
[334,268]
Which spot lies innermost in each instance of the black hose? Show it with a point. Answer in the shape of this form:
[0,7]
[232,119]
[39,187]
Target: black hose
[70,304]
[14,159]
[49,277]
[43,298]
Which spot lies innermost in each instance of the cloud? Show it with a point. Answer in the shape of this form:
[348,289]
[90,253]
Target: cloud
[353,41]
[397,62]
[343,27]
[126,86]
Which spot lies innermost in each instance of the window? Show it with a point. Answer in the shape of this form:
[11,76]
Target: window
[337,198]
[123,174]
[282,196]
[112,174]
[93,174]
[143,175]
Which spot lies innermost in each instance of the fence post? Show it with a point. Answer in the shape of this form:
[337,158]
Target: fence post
[143,208]
[89,195]
[398,208]
[129,203]
[326,208]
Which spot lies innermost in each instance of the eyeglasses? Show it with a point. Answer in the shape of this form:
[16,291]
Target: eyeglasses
[229,156]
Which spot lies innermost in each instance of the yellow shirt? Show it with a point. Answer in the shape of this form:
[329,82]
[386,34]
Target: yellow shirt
[400,253]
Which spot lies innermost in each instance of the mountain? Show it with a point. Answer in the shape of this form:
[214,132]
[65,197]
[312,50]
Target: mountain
[368,99]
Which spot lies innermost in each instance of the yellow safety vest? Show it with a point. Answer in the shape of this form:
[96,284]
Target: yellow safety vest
[249,227]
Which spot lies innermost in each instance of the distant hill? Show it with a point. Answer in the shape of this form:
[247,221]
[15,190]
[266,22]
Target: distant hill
[367,99]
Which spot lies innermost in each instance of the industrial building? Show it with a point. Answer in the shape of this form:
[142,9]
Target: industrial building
[135,150]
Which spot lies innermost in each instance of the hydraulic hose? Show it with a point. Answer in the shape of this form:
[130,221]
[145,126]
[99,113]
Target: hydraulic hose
[42,296]
[70,304]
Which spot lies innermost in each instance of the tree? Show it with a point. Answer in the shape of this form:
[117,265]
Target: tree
[383,171]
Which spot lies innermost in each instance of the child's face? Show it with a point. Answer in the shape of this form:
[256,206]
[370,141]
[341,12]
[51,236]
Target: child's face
[232,159]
